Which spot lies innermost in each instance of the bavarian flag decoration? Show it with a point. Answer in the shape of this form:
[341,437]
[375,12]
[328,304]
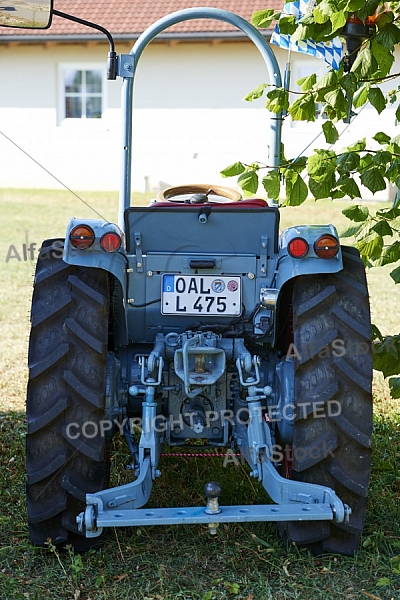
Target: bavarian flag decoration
[331,52]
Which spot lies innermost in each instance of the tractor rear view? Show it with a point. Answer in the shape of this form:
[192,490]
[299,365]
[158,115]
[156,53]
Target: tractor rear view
[197,320]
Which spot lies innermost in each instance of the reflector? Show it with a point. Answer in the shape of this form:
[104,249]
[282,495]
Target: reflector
[110,242]
[298,247]
[327,246]
[82,237]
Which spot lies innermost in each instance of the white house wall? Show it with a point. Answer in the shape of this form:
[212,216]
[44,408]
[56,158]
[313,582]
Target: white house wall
[189,120]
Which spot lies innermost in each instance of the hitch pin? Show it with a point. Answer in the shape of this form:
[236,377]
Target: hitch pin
[212,491]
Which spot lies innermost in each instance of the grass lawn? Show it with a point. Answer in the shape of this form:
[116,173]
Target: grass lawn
[246,562]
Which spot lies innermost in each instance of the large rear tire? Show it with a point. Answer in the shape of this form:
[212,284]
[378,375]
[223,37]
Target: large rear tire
[66,453]
[333,379]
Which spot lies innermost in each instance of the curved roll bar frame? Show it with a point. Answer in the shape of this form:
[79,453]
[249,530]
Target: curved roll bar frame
[127,91]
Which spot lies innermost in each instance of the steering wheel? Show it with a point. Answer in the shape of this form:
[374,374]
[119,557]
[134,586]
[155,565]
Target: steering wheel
[199,194]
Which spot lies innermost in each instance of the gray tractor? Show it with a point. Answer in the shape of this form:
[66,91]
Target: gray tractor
[194,319]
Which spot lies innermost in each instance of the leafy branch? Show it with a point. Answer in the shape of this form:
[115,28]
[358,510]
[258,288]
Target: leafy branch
[329,174]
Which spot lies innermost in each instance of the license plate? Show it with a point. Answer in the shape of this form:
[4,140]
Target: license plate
[201,295]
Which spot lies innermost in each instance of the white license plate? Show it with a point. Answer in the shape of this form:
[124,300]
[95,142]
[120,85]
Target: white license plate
[201,295]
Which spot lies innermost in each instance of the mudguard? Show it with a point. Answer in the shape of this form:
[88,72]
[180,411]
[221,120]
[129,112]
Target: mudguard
[289,267]
[95,257]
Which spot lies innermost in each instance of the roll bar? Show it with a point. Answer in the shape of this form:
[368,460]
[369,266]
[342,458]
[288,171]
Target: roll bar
[130,69]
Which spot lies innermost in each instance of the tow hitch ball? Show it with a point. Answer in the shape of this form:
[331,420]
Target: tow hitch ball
[212,491]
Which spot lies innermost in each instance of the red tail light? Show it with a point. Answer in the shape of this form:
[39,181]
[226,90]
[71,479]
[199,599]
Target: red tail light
[297,247]
[111,242]
[82,237]
[327,246]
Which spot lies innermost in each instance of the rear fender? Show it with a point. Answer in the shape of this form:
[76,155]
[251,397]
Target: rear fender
[288,267]
[95,257]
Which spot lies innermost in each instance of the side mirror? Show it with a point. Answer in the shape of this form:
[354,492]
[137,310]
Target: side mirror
[30,14]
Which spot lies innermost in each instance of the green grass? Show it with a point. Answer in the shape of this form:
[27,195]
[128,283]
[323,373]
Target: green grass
[246,562]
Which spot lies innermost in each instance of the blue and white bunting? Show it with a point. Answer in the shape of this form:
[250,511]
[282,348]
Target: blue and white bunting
[331,52]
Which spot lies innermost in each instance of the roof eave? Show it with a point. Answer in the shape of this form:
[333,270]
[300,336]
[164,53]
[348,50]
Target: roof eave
[201,36]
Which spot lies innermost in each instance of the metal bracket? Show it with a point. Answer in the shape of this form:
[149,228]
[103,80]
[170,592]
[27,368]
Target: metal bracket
[126,65]
[263,256]
[138,251]
[127,496]
[257,450]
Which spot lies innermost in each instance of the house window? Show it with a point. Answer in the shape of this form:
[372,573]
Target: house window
[83,93]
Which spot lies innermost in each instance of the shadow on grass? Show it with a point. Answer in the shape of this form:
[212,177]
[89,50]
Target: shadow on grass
[246,562]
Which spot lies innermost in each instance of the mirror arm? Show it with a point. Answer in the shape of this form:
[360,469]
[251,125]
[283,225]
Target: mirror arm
[112,56]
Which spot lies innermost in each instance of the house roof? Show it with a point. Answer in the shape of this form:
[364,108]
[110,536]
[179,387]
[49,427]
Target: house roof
[129,18]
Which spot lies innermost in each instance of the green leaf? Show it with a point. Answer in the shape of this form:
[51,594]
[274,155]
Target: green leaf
[358,146]
[376,334]
[390,254]
[322,12]
[383,57]
[321,165]
[296,191]
[348,162]
[367,9]
[362,97]
[365,63]
[383,228]
[395,275]
[321,189]
[235,169]
[349,83]
[382,158]
[328,80]
[338,101]
[394,384]
[354,5]
[395,564]
[298,164]
[382,582]
[264,18]
[307,83]
[272,184]
[338,20]
[388,213]
[303,109]
[356,213]
[397,114]
[277,100]
[256,93]
[388,36]
[373,180]
[377,99]
[381,138]
[330,132]
[394,146]
[350,231]
[384,18]
[303,32]
[371,245]
[386,355]
[365,161]
[248,181]
[348,186]
[287,24]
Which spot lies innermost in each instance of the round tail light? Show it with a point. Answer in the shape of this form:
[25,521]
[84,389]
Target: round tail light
[298,247]
[81,237]
[327,246]
[111,242]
